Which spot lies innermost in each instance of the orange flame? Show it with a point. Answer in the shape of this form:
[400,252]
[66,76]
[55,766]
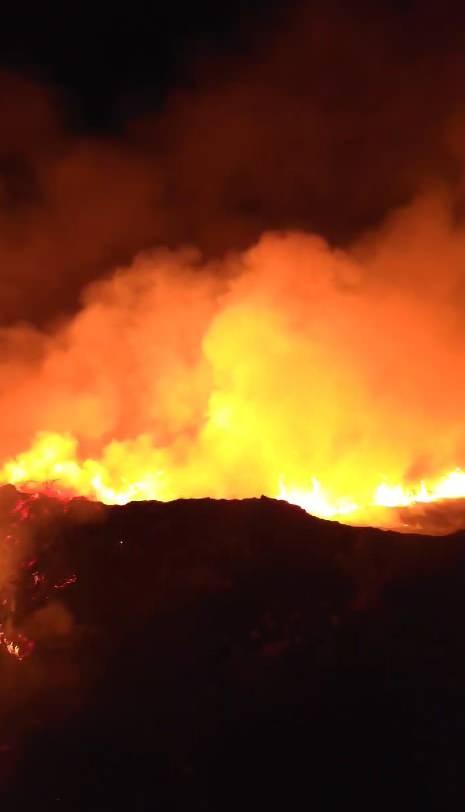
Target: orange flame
[328,379]
[121,476]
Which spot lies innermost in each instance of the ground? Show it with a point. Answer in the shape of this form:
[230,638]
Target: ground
[222,655]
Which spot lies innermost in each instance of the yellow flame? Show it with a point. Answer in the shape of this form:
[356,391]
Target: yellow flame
[131,472]
[320,503]
[316,501]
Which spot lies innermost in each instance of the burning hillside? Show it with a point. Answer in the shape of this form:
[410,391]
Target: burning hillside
[328,378]
[309,344]
[232,437]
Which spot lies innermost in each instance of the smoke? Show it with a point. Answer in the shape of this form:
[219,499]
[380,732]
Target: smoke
[315,329]
[323,123]
[69,206]
[287,361]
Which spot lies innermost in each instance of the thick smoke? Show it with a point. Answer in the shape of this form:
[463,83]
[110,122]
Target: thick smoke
[283,362]
[323,123]
[69,206]
[316,327]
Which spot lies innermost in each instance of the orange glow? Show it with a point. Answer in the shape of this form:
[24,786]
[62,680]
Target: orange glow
[320,503]
[329,379]
[19,647]
[125,473]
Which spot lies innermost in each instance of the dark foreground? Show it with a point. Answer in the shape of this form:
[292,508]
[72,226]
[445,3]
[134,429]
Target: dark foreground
[221,656]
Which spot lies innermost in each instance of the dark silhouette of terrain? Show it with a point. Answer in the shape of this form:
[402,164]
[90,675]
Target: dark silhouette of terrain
[228,655]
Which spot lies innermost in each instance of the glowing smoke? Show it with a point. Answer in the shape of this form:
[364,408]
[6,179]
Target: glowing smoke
[288,362]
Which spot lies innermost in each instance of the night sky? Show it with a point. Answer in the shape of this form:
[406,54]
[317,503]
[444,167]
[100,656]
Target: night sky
[114,64]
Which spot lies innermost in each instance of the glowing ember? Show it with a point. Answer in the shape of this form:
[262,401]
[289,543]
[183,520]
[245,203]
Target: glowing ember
[19,647]
[24,587]
[67,582]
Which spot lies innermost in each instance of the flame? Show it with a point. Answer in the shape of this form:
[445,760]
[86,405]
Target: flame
[317,501]
[291,370]
[320,503]
[19,647]
[122,475]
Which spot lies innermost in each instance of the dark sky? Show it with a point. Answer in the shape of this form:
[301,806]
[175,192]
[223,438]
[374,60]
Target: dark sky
[115,63]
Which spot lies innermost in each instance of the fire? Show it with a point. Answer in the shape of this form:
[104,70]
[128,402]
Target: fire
[53,466]
[320,503]
[317,501]
[326,378]
[19,646]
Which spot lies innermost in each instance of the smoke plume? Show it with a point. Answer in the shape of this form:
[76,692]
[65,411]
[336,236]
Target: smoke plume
[313,328]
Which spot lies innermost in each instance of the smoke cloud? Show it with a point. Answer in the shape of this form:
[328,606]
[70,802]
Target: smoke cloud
[324,123]
[316,326]
[283,362]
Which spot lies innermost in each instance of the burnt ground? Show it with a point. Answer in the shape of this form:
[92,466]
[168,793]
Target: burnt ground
[214,655]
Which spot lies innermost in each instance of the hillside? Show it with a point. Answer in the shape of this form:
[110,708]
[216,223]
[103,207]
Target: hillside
[223,655]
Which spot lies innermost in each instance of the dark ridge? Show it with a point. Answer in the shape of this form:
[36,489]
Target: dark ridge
[227,655]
